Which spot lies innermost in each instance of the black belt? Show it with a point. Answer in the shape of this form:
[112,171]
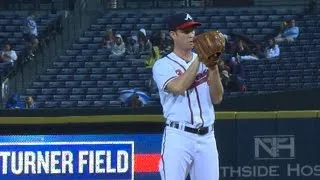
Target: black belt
[200,131]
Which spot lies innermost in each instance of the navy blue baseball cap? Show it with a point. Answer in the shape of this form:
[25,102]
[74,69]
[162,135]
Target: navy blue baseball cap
[181,21]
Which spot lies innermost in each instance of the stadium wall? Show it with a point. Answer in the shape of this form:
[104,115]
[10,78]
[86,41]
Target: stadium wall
[270,145]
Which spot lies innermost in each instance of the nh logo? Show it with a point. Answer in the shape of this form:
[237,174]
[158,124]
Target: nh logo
[274,147]
[188,17]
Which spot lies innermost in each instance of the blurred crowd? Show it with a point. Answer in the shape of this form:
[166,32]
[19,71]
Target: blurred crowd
[136,44]
[34,43]
[243,48]
[14,102]
[153,46]
[32,40]
[239,48]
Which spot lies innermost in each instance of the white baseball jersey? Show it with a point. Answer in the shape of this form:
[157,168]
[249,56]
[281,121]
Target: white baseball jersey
[194,107]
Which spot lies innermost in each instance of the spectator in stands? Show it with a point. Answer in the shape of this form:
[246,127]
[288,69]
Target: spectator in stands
[273,50]
[236,80]
[135,102]
[288,33]
[8,55]
[133,46]
[14,102]
[164,44]
[30,33]
[243,52]
[30,104]
[119,48]
[251,47]
[224,73]
[108,40]
[145,46]
[156,41]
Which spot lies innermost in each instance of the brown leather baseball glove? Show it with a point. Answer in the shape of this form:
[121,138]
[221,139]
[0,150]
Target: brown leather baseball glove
[209,46]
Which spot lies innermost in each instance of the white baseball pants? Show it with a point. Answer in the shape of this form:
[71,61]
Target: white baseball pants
[183,153]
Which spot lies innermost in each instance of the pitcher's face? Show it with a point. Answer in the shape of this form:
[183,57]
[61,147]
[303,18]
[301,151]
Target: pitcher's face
[183,39]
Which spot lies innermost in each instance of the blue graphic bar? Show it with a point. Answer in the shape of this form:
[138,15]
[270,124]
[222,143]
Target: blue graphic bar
[67,160]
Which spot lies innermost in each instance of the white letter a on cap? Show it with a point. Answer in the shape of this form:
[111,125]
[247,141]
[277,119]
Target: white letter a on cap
[188,17]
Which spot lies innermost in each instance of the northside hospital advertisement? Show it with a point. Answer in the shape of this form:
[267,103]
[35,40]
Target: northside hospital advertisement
[136,156]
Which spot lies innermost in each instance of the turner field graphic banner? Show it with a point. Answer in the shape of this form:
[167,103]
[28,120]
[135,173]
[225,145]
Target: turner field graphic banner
[78,156]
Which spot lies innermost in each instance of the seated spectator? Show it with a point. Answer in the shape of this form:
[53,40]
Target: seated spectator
[243,52]
[251,46]
[8,55]
[236,76]
[119,48]
[30,33]
[14,102]
[145,46]
[135,102]
[164,44]
[29,104]
[273,50]
[224,73]
[288,33]
[133,46]
[155,51]
[108,40]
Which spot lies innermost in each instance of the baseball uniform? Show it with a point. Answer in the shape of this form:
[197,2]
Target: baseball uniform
[188,144]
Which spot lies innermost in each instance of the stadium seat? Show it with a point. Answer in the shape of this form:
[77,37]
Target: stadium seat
[98,70]
[44,98]
[56,84]
[112,70]
[93,97]
[51,104]
[78,46]
[64,77]
[84,103]
[129,76]
[120,83]
[94,90]
[48,91]
[47,77]
[58,64]
[66,71]
[109,90]
[100,103]
[72,83]
[77,97]
[127,70]
[39,84]
[113,76]
[132,20]
[91,83]
[68,104]
[104,83]
[63,91]
[92,64]
[114,103]
[78,77]
[83,71]
[107,97]
[33,91]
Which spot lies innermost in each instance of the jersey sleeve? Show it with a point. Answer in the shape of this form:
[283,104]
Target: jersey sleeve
[163,73]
